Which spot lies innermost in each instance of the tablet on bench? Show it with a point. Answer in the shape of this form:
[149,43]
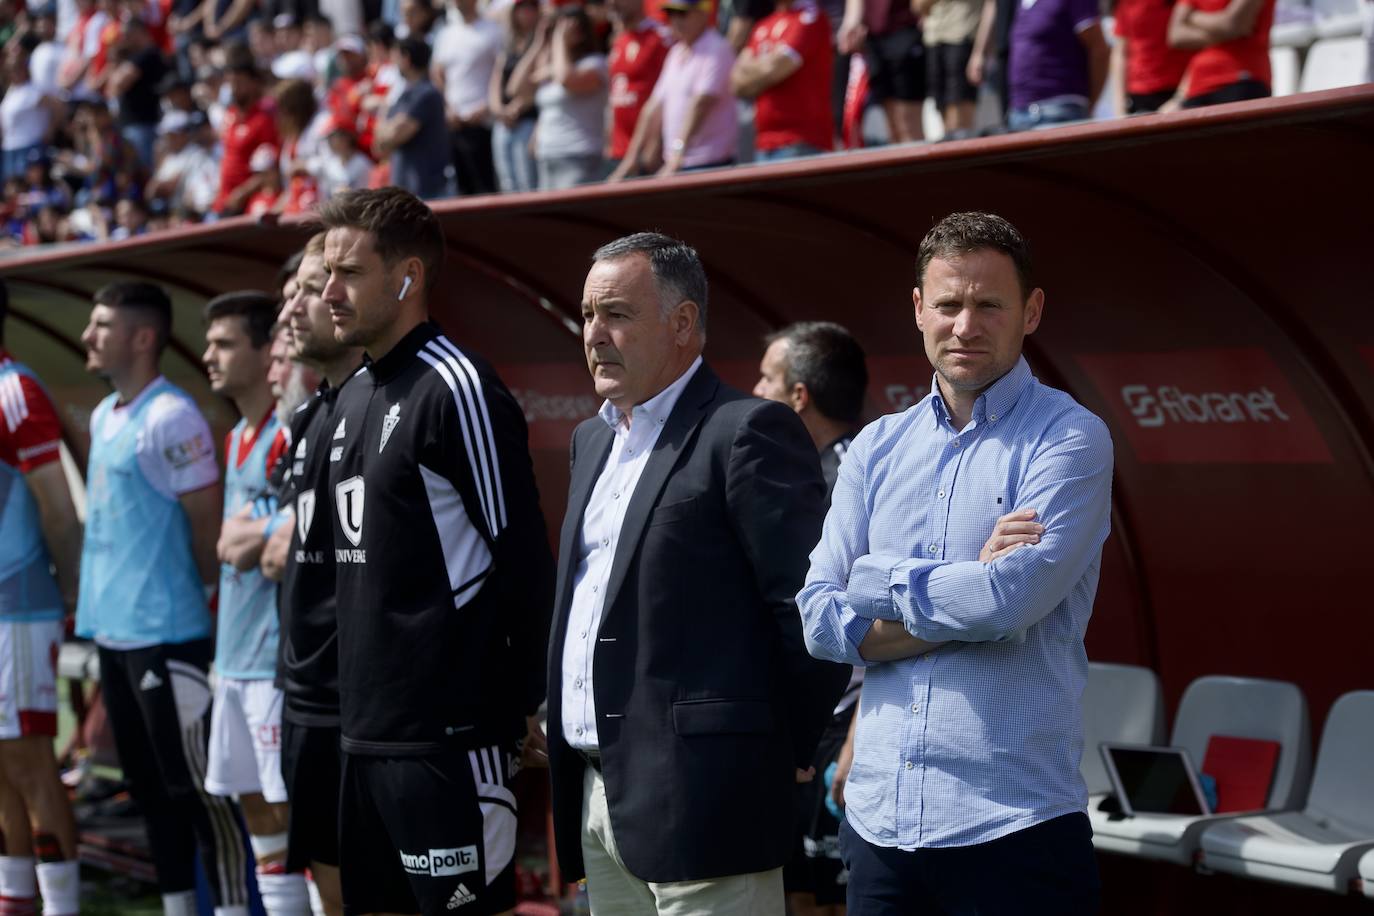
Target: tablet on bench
[1154,780]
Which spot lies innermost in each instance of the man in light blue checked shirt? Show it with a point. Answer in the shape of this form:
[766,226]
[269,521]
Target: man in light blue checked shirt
[958,564]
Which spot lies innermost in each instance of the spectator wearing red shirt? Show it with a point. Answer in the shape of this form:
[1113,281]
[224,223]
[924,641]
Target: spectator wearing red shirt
[1231,38]
[1146,71]
[786,67]
[637,54]
[249,124]
[350,87]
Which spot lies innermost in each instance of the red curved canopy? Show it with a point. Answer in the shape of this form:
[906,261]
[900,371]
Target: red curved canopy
[1204,295]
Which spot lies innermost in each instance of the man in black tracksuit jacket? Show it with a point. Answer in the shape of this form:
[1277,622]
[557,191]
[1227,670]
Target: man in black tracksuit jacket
[444,581]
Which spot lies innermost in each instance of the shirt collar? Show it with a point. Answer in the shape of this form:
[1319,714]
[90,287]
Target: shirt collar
[400,355]
[658,408]
[994,403]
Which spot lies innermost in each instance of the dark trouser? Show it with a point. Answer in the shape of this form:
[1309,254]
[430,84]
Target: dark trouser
[158,701]
[1239,91]
[473,161]
[1047,869]
[1141,102]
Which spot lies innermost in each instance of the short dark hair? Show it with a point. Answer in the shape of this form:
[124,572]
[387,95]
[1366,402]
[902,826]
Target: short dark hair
[382,34]
[677,269]
[415,50]
[962,233]
[402,225]
[147,301]
[827,359]
[257,309]
[289,268]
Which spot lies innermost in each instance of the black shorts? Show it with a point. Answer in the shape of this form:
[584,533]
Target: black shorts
[432,834]
[1239,91]
[1142,102]
[947,74]
[312,767]
[896,66]
[815,865]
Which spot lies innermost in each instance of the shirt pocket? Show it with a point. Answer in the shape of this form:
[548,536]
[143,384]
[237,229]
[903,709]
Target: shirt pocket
[668,513]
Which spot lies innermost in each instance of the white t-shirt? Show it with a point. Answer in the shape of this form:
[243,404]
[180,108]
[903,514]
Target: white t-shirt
[573,125]
[333,174]
[175,450]
[197,176]
[467,53]
[23,119]
[44,65]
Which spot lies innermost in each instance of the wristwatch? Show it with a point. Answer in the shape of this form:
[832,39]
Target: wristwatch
[677,145]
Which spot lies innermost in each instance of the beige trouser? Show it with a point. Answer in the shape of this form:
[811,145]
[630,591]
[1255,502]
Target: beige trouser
[613,891]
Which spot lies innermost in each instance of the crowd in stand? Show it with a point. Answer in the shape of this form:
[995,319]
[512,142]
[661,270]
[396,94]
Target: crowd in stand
[120,117]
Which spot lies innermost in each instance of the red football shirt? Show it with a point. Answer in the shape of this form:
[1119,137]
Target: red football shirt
[244,132]
[30,432]
[1245,58]
[1151,65]
[796,110]
[636,60]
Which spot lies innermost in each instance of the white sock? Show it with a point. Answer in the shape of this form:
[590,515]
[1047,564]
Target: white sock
[182,903]
[316,901]
[18,886]
[231,911]
[59,884]
[283,894]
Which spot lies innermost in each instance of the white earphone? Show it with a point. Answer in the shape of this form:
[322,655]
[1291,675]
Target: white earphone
[405,287]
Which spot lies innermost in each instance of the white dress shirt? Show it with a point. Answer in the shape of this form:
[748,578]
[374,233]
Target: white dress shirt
[630,450]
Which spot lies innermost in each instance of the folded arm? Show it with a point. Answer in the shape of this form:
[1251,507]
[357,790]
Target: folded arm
[1069,483]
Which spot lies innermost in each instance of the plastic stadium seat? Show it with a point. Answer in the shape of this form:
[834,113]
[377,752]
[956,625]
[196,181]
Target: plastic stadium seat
[1122,703]
[1335,62]
[1337,18]
[1321,845]
[1283,63]
[1367,873]
[1215,705]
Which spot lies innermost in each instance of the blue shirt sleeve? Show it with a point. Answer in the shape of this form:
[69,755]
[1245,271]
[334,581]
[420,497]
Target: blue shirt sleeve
[832,629]
[1069,485]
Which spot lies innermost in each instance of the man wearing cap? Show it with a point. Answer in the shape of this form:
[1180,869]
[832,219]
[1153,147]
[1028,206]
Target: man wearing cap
[187,176]
[692,106]
[248,125]
[464,57]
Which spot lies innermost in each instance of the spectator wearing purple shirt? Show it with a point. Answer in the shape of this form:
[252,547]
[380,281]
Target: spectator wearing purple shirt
[1058,63]
[692,105]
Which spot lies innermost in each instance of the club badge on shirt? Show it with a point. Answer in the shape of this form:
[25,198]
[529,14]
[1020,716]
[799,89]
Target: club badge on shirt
[393,416]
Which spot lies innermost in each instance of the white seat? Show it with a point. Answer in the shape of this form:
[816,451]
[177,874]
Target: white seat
[1367,874]
[1321,845]
[1335,62]
[1121,703]
[1216,705]
[1337,18]
[1283,64]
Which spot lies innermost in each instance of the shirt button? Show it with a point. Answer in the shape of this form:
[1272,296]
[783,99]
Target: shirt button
[579,731]
[915,707]
[909,764]
[595,587]
[955,443]
[615,495]
[578,683]
[941,494]
[582,635]
[993,418]
[930,550]
[605,542]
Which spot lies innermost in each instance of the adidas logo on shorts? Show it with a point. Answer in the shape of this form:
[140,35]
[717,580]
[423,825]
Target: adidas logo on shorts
[460,897]
[150,680]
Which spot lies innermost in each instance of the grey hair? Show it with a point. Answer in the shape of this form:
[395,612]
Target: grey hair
[678,273]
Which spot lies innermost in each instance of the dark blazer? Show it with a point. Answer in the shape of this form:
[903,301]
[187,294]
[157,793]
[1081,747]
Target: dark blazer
[706,699]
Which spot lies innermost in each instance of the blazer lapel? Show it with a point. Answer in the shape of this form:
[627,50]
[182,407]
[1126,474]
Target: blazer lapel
[682,422]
